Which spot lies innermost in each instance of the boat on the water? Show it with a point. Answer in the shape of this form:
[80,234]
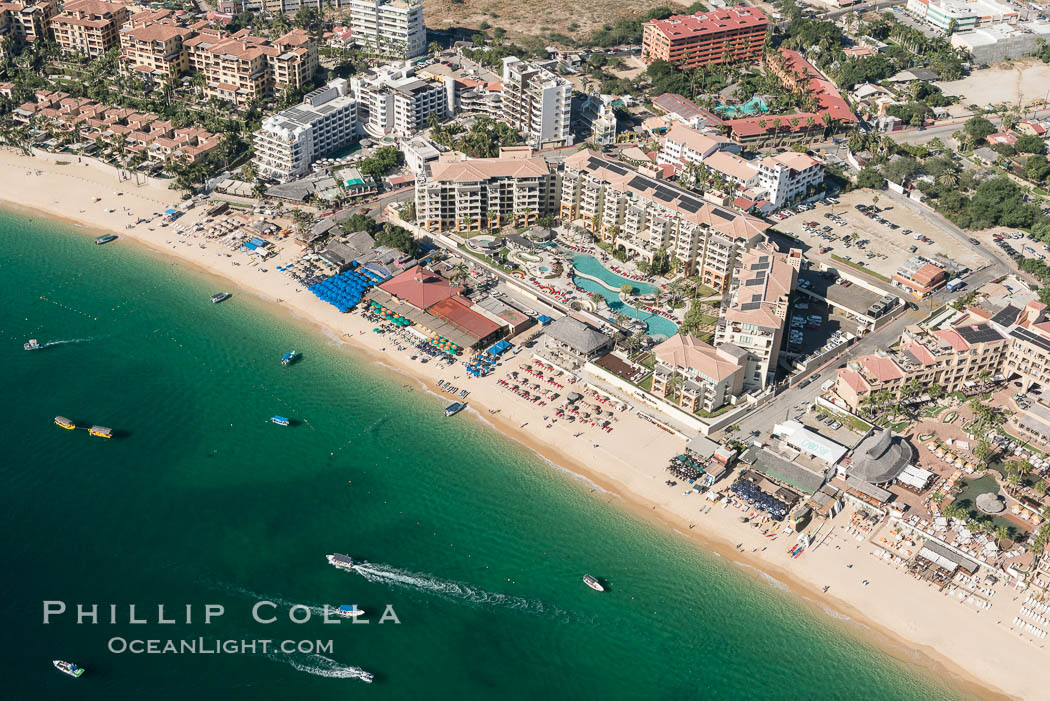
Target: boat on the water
[349,611]
[280,420]
[343,561]
[593,583]
[358,673]
[33,344]
[454,408]
[220,297]
[68,667]
[106,238]
[100,432]
[289,358]
[64,423]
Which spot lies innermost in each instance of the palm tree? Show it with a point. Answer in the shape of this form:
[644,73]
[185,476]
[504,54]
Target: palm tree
[1002,534]
[458,273]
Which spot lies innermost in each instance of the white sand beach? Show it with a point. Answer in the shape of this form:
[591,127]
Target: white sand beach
[911,620]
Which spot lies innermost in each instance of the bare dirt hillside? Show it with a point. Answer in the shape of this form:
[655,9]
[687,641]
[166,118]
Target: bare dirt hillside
[536,18]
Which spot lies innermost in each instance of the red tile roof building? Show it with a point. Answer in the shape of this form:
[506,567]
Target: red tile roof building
[721,36]
[950,358]
[89,27]
[832,112]
[25,20]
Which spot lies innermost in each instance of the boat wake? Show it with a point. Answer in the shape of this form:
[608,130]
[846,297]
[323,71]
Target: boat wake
[450,590]
[68,340]
[322,666]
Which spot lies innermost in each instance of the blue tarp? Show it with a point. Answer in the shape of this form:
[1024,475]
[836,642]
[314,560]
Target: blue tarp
[544,320]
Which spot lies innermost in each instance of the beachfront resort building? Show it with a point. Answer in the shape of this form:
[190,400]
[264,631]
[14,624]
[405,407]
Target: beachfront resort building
[684,145]
[151,46]
[729,35]
[390,28]
[537,103]
[23,21]
[641,215]
[596,118]
[758,303]
[394,101]
[696,375]
[288,142]
[484,193]
[951,359]
[89,27]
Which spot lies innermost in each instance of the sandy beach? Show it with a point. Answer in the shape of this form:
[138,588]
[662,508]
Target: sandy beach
[913,621]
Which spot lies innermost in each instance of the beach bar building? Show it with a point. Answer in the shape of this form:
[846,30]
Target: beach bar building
[572,342]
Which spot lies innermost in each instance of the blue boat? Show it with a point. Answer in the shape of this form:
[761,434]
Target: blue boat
[280,420]
[289,358]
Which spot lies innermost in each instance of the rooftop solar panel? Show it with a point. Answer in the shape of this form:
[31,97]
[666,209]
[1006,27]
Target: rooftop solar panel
[981,333]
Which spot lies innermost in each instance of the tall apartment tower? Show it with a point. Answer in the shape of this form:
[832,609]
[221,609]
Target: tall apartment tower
[537,102]
[391,28]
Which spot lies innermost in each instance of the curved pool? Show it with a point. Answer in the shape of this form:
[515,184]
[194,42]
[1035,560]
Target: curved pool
[655,324]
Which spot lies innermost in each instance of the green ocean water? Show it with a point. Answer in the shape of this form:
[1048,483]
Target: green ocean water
[477,545]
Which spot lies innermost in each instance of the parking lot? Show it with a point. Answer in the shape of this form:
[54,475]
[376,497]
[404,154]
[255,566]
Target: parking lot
[876,240]
[1015,244]
[813,325]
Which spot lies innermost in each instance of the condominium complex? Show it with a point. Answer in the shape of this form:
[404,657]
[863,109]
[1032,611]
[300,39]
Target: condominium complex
[24,20]
[758,304]
[642,215]
[700,376]
[389,27]
[683,145]
[769,183]
[151,46]
[291,140]
[720,36]
[962,15]
[482,193]
[949,358]
[143,134]
[537,103]
[89,27]
[597,118]
[394,101]
[240,68]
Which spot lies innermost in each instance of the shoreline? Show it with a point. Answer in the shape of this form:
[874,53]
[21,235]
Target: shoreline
[718,538]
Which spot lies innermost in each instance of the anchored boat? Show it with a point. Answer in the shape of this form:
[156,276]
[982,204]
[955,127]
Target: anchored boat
[68,667]
[593,583]
[105,239]
[280,420]
[221,296]
[32,345]
[289,358]
[64,423]
[100,432]
[454,408]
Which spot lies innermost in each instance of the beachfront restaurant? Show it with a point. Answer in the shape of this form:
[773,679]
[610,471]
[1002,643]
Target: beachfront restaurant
[573,342]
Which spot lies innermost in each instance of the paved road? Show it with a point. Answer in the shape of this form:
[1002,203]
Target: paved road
[783,406]
[915,136]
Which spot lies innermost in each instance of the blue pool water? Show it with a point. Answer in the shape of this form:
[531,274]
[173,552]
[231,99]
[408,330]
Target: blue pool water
[590,265]
[753,106]
[655,325]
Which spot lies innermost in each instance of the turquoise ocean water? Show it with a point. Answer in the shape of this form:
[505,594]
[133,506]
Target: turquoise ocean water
[477,545]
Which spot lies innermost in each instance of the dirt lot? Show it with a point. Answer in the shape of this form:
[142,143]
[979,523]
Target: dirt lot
[889,248]
[1022,81]
[532,18]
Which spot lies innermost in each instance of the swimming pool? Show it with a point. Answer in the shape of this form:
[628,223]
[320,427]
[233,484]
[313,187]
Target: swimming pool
[589,265]
[655,324]
[753,106]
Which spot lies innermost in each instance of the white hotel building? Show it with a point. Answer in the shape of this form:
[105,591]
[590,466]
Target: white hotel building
[291,140]
[537,103]
[393,101]
[388,27]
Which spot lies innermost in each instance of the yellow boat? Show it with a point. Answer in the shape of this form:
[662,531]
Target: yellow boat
[101,431]
[64,423]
